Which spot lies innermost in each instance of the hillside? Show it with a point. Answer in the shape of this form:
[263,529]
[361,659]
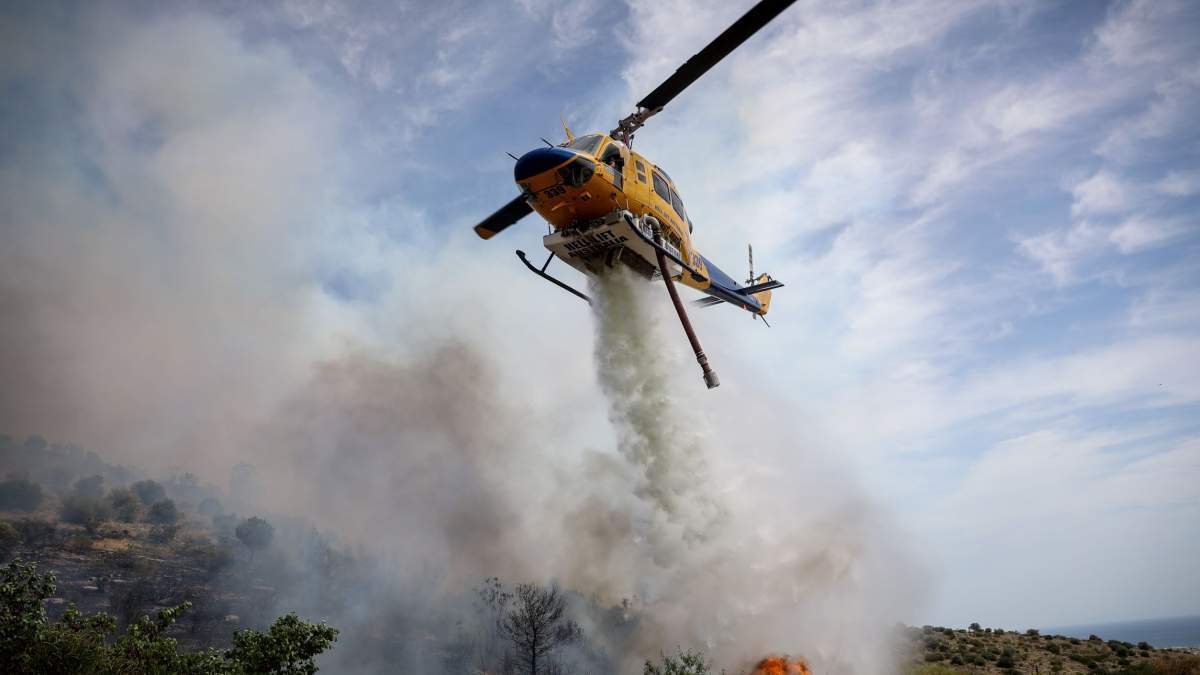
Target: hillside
[943,651]
[130,547]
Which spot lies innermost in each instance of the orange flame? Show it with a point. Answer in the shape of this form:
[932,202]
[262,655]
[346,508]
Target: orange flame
[777,665]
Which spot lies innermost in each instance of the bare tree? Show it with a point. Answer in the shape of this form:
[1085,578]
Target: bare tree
[537,624]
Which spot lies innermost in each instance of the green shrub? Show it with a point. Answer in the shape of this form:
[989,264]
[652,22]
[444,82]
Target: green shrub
[255,533]
[84,510]
[91,486]
[78,643]
[683,663]
[125,504]
[163,512]
[149,492]
[9,539]
[18,494]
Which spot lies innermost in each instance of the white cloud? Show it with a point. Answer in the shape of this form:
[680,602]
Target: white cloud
[1055,497]
[1059,253]
[1102,193]
[1139,234]
[1136,33]
[1179,183]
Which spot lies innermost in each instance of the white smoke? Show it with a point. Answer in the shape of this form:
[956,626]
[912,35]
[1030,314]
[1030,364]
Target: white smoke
[766,567]
[160,307]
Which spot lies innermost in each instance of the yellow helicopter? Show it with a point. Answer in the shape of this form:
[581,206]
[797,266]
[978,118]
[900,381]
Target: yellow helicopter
[608,205]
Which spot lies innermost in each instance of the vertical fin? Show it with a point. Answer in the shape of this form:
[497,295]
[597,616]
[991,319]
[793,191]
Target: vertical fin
[763,297]
[570,136]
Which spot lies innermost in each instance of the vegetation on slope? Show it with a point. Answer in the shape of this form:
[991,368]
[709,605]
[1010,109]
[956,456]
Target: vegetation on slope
[80,643]
[946,651]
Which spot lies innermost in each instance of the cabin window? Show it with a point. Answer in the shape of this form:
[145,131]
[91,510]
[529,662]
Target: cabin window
[660,187]
[640,167]
[617,179]
[586,144]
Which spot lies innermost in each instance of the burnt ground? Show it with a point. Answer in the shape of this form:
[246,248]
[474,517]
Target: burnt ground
[131,569]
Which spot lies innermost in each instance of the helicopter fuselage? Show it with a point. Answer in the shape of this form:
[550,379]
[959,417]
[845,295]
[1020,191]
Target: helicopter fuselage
[577,187]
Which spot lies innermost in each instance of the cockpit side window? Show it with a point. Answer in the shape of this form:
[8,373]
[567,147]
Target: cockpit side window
[677,204]
[660,187]
[586,144]
[612,157]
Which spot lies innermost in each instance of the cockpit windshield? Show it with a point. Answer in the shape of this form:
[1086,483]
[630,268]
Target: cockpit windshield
[586,144]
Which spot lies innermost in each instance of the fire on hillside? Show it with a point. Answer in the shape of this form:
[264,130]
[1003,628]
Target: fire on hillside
[778,665]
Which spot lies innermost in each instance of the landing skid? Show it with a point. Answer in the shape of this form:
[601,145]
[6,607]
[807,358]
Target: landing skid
[542,273]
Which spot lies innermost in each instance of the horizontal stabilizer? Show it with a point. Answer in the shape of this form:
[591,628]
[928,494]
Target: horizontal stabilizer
[707,302]
[768,285]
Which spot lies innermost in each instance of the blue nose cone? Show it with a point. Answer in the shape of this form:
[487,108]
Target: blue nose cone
[538,161]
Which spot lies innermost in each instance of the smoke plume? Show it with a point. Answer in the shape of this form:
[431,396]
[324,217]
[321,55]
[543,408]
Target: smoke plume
[164,276]
[761,568]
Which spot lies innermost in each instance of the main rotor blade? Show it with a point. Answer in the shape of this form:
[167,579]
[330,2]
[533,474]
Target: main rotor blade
[706,58]
[506,215]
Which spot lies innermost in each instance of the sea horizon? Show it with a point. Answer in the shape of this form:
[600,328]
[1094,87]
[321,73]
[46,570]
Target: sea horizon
[1178,631]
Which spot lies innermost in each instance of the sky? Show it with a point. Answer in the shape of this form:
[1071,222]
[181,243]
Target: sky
[984,214]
